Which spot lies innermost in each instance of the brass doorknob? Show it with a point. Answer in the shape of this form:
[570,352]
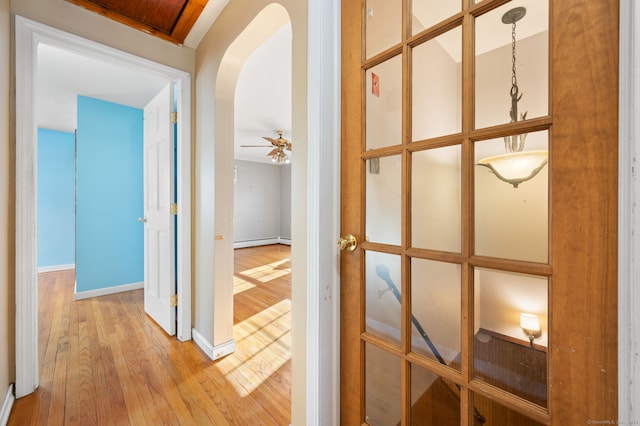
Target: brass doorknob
[349,242]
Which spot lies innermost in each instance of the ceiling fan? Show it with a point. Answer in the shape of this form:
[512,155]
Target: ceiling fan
[277,154]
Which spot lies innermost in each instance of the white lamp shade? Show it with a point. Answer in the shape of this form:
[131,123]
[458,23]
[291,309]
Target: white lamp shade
[516,166]
[529,322]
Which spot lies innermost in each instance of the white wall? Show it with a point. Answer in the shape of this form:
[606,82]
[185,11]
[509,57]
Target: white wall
[7,259]
[261,198]
[285,201]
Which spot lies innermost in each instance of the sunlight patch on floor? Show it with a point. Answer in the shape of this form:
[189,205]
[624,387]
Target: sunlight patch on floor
[263,345]
[240,285]
[268,272]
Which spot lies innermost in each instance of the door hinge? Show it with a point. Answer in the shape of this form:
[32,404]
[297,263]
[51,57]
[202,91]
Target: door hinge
[174,117]
[174,300]
[173,209]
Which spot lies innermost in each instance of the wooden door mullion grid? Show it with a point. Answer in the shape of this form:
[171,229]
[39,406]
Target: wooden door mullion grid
[582,296]
[472,261]
[466,259]
[466,232]
[405,311]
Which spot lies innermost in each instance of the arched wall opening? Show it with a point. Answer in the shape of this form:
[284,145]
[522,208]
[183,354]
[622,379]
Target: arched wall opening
[315,174]
[240,29]
[262,27]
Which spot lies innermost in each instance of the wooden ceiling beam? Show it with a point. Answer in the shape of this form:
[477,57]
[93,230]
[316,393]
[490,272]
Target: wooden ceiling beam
[187,19]
[182,22]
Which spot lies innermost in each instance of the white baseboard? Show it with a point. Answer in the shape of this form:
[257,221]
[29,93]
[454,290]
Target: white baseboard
[107,290]
[213,352]
[265,242]
[54,268]
[6,406]
[285,241]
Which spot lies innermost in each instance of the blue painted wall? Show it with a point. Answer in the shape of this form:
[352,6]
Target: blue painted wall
[110,240]
[56,203]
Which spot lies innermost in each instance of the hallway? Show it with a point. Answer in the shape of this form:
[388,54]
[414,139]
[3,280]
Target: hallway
[103,361]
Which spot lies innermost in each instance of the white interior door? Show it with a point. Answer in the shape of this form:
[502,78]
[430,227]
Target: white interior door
[159,279]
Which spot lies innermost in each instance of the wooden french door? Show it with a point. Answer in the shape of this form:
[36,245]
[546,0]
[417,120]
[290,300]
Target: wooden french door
[474,297]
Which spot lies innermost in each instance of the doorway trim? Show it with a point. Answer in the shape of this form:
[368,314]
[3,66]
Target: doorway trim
[323,229]
[628,215]
[28,35]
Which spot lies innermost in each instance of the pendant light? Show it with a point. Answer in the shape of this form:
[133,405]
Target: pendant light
[516,165]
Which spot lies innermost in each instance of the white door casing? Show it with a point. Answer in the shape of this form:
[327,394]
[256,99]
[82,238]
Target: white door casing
[159,275]
[28,34]
[629,216]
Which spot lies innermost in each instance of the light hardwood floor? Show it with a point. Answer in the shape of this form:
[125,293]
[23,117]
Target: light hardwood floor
[103,361]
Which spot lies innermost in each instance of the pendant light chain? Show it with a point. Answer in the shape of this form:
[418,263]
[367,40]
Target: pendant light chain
[514,79]
[514,143]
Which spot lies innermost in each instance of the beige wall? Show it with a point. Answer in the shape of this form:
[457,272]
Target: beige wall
[214,86]
[7,333]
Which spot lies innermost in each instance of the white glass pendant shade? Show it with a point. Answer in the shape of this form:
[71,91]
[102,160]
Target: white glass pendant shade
[516,167]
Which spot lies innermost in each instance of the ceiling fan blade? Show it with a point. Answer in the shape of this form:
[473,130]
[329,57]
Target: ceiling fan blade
[288,147]
[273,141]
[273,151]
[256,146]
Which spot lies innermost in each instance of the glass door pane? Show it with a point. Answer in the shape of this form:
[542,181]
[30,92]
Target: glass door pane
[436,195]
[435,311]
[384,199]
[383,293]
[382,384]
[511,218]
[434,400]
[437,86]
[497,414]
[511,333]
[383,25]
[497,58]
[384,104]
[426,13]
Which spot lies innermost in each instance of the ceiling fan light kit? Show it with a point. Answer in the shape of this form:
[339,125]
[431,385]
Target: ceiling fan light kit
[279,145]
[280,157]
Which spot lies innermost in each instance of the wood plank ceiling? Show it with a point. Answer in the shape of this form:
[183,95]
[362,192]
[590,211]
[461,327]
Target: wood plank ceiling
[167,19]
